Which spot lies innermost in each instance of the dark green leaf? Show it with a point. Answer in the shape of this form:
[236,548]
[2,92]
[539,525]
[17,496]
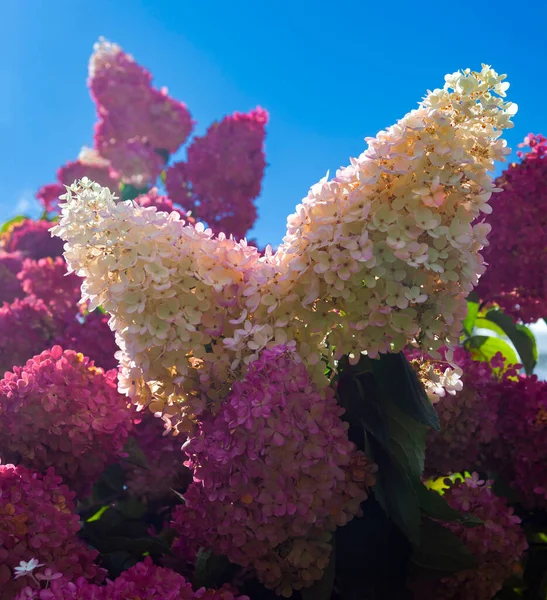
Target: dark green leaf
[397,382]
[395,492]
[359,396]
[520,335]
[407,441]
[137,546]
[209,568]
[130,192]
[131,508]
[441,550]
[322,589]
[135,454]
[164,154]
[11,222]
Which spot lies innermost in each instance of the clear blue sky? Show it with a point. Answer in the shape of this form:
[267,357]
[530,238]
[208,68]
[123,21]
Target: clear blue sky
[329,73]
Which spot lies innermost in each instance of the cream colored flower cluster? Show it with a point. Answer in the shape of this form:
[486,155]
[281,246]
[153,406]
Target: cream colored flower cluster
[381,256]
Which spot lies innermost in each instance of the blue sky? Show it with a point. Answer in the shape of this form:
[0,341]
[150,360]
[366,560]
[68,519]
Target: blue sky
[329,74]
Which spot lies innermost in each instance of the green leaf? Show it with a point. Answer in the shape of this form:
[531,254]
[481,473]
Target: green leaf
[398,383]
[484,348]
[322,589]
[209,568]
[441,550]
[407,442]
[435,506]
[482,323]
[131,508]
[130,192]
[396,494]
[473,305]
[11,222]
[98,514]
[521,336]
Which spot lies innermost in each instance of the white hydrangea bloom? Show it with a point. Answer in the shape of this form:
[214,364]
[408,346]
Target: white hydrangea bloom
[380,256]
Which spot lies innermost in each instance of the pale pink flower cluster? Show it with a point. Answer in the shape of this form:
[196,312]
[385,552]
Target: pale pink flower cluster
[274,475]
[381,256]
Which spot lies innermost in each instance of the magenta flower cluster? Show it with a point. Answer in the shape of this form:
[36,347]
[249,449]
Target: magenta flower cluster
[32,239]
[517,254]
[10,286]
[522,446]
[60,410]
[274,474]
[468,420]
[223,172]
[37,521]
[498,544]
[144,581]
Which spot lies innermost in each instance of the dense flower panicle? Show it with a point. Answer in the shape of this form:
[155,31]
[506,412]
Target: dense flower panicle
[192,311]
[32,238]
[389,246]
[274,474]
[137,161]
[37,521]
[135,119]
[468,420]
[59,410]
[10,287]
[26,328]
[47,279]
[224,168]
[48,196]
[522,451]
[517,255]
[91,336]
[162,203]
[96,170]
[165,470]
[498,545]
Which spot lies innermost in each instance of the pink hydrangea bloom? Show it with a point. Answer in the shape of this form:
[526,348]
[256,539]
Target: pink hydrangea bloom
[37,520]
[10,265]
[48,196]
[522,451]
[137,161]
[146,581]
[115,79]
[26,328]
[100,172]
[59,410]
[164,460]
[515,278]
[274,474]
[468,421]
[32,239]
[153,198]
[224,168]
[47,279]
[498,545]
[63,589]
[92,337]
